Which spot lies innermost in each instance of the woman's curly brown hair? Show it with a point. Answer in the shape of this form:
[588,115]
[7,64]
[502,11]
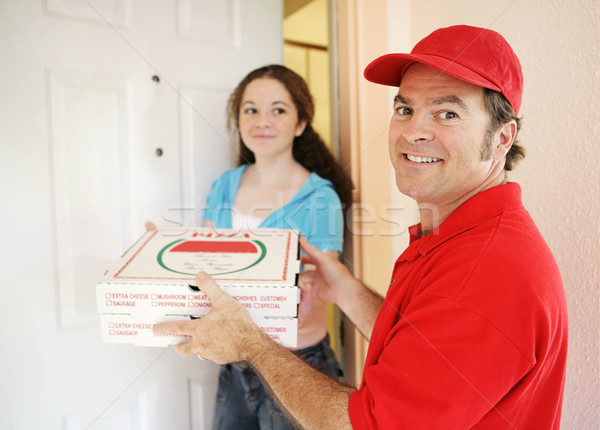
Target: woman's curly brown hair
[308,149]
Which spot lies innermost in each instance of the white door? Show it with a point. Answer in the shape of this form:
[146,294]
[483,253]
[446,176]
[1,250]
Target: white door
[112,113]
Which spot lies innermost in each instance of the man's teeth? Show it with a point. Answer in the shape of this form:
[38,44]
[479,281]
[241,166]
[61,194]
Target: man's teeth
[422,159]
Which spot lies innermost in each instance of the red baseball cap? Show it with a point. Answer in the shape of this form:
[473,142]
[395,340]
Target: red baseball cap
[472,54]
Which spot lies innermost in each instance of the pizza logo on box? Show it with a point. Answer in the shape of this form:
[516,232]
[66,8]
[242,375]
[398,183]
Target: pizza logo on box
[216,257]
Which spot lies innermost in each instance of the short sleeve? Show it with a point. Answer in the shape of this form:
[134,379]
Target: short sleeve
[316,212]
[219,202]
[325,229]
[213,200]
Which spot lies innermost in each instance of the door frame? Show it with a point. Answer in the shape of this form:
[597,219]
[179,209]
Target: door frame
[364,110]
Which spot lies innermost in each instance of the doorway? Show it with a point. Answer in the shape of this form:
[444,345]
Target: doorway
[309,50]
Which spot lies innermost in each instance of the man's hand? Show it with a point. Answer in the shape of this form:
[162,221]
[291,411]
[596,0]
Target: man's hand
[332,282]
[324,276]
[224,335]
[227,334]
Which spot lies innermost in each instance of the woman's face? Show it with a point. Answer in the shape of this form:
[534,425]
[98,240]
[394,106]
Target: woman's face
[268,118]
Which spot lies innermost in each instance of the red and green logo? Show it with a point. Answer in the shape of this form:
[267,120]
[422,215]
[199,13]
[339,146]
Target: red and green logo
[216,257]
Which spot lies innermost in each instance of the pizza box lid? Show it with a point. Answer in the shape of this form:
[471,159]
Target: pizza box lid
[261,257]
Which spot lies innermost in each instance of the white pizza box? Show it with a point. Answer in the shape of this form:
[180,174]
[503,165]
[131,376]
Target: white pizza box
[149,299]
[156,276]
[137,329]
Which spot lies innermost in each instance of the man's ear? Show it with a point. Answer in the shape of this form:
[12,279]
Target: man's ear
[505,136]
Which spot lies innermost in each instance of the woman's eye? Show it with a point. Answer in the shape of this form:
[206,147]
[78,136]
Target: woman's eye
[278,111]
[249,111]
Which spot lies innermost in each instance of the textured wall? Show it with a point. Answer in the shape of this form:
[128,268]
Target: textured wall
[558,43]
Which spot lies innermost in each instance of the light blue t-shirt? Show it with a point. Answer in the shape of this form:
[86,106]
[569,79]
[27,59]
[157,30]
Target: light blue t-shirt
[315,210]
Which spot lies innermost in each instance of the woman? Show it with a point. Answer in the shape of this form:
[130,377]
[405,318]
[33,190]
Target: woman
[288,179]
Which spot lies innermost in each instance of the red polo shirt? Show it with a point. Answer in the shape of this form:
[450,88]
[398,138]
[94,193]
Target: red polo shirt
[473,331]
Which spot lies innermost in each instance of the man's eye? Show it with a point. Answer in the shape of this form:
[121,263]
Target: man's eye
[449,115]
[403,111]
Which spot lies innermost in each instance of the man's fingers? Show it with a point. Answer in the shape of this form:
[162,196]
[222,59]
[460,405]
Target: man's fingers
[208,286]
[184,349]
[308,247]
[173,328]
[306,278]
[307,259]
[314,254]
[179,329]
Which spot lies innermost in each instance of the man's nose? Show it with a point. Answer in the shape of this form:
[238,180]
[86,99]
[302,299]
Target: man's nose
[418,129]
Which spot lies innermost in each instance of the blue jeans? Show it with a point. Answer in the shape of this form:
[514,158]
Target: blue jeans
[242,402]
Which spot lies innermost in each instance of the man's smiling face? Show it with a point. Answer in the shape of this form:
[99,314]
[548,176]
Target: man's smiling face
[436,137]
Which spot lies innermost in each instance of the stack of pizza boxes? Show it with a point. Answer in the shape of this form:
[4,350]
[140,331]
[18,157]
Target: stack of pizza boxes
[154,281]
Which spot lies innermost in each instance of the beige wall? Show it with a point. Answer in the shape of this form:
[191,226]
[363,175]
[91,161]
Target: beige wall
[558,43]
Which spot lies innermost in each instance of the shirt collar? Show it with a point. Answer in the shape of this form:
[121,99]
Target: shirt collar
[478,209]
